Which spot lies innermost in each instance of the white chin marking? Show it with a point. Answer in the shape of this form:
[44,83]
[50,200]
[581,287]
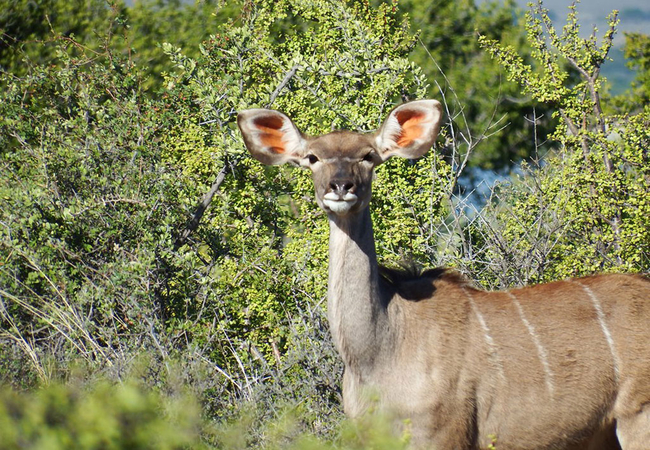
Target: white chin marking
[339,207]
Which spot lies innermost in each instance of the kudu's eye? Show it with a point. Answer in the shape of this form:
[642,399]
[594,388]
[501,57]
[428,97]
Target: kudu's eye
[369,157]
[313,159]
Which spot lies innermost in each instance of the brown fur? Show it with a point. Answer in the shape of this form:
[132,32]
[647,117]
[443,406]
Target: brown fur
[563,365]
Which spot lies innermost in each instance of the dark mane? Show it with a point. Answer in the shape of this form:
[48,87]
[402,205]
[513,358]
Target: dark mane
[413,283]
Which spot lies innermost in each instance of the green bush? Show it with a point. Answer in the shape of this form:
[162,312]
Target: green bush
[87,204]
[495,117]
[109,416]
[585,209]
[129,415]
[101,260]
[264,240]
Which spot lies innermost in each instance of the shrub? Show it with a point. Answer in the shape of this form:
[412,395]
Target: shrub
[585,208]
[109,416]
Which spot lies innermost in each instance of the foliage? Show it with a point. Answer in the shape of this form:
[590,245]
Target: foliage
[99,177]
[93,209]
[271,251]
[29,30]
[586,209]
[86,204]
[27,27]
[130,415]
[107,416]
[637,51]
[496,120]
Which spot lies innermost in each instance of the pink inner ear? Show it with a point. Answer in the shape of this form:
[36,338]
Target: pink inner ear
[410,124]
[270,133]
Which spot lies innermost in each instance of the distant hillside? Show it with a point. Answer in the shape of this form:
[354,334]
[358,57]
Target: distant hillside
[634,16]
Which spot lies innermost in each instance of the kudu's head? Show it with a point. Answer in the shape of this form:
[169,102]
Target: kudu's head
[342,162]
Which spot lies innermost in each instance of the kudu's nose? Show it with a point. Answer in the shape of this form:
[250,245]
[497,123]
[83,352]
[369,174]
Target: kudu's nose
[341,187]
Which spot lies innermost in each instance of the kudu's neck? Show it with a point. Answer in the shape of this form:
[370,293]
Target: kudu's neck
[356,311]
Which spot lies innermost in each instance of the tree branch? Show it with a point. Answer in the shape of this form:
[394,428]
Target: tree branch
[283,84]
[193,224]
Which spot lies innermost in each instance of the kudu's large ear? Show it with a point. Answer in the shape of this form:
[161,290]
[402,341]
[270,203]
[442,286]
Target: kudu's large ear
[270,136]
[410,130]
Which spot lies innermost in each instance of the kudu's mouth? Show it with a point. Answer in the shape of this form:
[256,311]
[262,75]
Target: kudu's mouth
[339,204]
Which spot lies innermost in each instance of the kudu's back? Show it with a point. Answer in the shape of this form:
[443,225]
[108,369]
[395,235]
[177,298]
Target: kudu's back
[557,365]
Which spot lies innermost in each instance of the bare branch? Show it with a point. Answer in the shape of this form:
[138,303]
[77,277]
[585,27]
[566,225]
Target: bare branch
[193,224]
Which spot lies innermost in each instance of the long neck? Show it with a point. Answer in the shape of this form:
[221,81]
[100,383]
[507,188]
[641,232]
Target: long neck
[356,311]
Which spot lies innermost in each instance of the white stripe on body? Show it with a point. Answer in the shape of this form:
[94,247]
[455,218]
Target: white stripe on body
[541,351]
[494,355]
[603,326]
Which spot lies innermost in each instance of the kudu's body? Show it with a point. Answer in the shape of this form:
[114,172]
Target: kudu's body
[559,365]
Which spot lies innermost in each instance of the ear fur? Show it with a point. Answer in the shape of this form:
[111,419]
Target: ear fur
[270,136]
[410,129]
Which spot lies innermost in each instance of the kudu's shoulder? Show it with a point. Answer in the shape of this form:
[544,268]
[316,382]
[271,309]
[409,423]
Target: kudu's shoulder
[415,285]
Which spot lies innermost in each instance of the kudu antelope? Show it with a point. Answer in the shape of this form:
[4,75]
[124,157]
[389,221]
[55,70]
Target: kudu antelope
[559,365]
